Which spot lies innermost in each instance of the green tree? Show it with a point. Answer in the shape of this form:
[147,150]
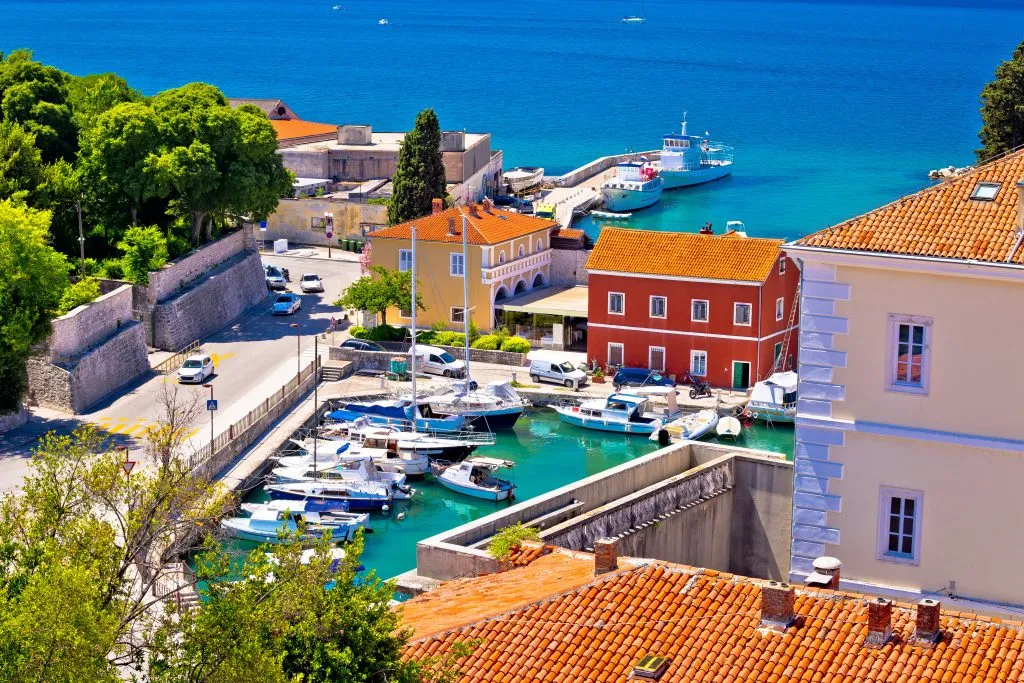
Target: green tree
[21,165]
[420,176]
[36,96]
[32,278]
[94,94]
[380,290]
[82,292]
[145,249]
[1002,109]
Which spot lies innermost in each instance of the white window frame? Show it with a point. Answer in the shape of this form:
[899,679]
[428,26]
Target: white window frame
[782,265]
[621,294]
[735,310]
[456,264]
[707,310]
[664,306]
[885,496]
[404,255]
[892,357]
[622,353]
[664,359]
[694,354]
[780,308]
[452,316]
[777,352]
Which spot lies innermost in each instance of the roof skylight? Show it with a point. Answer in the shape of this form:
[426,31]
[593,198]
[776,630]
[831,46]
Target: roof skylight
[985,192]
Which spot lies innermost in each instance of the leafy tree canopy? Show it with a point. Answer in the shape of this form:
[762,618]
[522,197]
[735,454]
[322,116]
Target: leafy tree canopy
[94,94]
[1002,109]
[145,249]
[36,96]
[21,165]
[82,292]
[380,290]
[419,176]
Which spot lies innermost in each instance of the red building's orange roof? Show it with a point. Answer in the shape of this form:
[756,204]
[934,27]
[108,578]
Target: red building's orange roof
[547,622]
[486,226]
[684,254]
[941,221]
[293,129]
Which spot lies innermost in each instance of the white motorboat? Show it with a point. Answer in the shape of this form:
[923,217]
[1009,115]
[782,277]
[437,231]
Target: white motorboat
[622,413]
[774,399]
[691,427]
[383,22]
[348,468]
[496,406]
[636,185]
[268,522]
[330,451]
[687,160]
[327,517]
[449,446]
[321,496]
[729,427]
[523,177]
[475,477]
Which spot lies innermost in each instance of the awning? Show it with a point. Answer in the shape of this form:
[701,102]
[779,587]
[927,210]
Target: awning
[567,301]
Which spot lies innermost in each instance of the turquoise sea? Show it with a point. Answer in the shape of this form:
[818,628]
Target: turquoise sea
[834,108]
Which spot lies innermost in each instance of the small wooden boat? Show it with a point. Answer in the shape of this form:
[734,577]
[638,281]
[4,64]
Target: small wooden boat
[728,426]
[475,477]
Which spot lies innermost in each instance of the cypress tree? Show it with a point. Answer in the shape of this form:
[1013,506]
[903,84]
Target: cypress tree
[419,177]
[1002,108]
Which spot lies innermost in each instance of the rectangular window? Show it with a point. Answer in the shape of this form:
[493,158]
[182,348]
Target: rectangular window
[318,223]
[458,314]
[659,305]
[616,303]
[782,265]
[699,311]
[777,352]
[899,525]
[615,353]
[909,344]
[698,363]
[656,358]
[457,265]
[741,314]
[405,312]
[780,308]
[404,260]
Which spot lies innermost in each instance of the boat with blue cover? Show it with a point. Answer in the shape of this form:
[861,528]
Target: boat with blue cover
[622,413]
[398,412]
[320,496]
[268,520]
[692,159]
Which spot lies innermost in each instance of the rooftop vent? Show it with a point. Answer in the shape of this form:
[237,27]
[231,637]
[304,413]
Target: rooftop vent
[777,602]
[651,667]
[826,573]
[487,204]
[436,205]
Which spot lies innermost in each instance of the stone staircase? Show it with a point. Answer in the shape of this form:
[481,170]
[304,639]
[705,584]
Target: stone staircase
[334,371]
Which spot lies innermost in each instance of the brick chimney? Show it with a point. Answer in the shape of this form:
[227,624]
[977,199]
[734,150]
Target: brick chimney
[487,204]
[453,228]
[473,209]
[436,205]
[879,622]
[777,602]
[928,611]
[826,573]
[606,556]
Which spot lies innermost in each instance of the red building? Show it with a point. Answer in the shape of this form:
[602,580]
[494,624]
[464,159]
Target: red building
[719,306]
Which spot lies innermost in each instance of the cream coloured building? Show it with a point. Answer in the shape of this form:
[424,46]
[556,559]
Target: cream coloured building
[909,455]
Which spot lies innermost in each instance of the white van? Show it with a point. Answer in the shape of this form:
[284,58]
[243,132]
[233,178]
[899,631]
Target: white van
[438,361]
[559,372]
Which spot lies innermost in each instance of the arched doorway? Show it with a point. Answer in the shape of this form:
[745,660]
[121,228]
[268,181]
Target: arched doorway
[520,287]
[538,281]
[501,294]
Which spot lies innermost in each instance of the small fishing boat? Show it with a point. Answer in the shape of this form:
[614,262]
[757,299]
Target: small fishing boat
[728,426]
[611,215]
[623,413]
[401,413]
[497,406]
[691,427]
[774,399]
[636,185]
[321,496]
[383,22]
[268,521]
[475,477]
[523,178]
[687,160]
[348,468]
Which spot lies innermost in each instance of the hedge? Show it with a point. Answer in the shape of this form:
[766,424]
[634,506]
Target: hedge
[515,345]
[488,342]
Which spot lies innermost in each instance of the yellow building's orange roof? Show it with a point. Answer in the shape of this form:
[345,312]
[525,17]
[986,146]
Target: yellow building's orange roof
[941,221]
[684,254]
[486,226]
[706,623]
[292,129]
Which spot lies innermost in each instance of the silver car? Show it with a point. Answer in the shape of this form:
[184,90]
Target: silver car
[310,282]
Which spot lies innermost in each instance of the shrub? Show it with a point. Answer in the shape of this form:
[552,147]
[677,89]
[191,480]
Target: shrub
[448,338]
[111,268]
[488,342]
[145,249]
[81,292]
[515,345]
[387,333]
[358,331]
[474,331]
[502,334]
[510,538]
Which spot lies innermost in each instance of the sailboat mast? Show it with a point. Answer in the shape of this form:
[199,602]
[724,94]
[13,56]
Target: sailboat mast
[465,294]
[316,402]
[415,412]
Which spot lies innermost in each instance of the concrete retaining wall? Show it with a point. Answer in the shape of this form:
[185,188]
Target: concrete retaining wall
[181,272]
[596,166]
[79,330]
[699,536]
[762,515]
[569,267]
[9,421]
[218,297]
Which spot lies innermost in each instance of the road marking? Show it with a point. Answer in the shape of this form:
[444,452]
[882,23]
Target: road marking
[218,357]
[139,427]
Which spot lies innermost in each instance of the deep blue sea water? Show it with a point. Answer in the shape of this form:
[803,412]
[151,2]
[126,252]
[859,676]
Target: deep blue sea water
[834,108]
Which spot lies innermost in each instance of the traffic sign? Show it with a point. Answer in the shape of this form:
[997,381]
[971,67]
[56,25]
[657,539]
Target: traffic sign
[330,234]
[263,226]
[211,404]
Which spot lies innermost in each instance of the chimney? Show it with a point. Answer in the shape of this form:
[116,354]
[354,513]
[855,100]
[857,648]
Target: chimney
[473,209]
[453,228]
[436,206]
[487,204]
[879,622]
[777,601]
[826,573]
[928,621]
[606,555]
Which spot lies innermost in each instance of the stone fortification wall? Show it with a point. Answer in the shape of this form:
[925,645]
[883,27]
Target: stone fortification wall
[218,297]
[81,329]
[13,420]
[182,272]
[49,385]
[569,267]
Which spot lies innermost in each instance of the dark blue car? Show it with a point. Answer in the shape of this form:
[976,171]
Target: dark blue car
[640,377]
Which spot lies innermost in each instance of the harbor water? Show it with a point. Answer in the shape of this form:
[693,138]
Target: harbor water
[547,453]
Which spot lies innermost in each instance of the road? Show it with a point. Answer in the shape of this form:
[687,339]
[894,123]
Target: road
[254,356]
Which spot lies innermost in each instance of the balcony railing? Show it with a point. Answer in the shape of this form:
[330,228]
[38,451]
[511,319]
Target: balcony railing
[515,266]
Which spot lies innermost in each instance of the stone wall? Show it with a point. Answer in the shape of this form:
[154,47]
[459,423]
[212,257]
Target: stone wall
[181,272]
[306,163]
[79,330]
[13,420]
[217,297]
[569,267]
[49,385]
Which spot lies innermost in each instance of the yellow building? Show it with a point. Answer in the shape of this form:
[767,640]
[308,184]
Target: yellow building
[508,254]
[909,438]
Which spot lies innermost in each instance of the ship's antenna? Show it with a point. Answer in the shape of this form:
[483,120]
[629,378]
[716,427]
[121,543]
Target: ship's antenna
[684,122]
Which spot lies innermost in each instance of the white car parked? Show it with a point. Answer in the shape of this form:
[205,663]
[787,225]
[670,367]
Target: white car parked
[438,361]
[195,370]
[310,282]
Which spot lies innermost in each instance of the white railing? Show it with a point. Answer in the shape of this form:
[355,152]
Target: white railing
[515,267]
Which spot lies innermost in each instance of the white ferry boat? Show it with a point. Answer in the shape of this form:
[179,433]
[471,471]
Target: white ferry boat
[636,185]
[692,159]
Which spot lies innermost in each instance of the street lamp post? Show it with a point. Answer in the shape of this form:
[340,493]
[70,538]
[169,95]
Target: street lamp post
[329,225]
[298,351]
[211,406]
[81,237]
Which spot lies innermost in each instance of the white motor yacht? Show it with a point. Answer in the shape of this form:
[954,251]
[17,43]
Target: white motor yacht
[475,477]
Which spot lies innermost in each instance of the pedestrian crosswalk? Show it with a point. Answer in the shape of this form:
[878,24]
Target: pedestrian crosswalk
[135,427]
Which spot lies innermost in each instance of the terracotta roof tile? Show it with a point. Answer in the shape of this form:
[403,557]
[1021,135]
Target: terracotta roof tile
[485,226]
[569,233]
[684,254]
[564,625]
[941,221]
[291,129]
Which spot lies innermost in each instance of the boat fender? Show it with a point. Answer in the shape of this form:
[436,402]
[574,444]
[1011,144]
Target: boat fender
[385,507]
[753,415]
[575,409]
[400,516]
